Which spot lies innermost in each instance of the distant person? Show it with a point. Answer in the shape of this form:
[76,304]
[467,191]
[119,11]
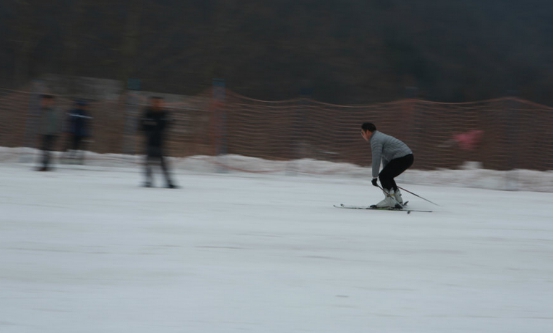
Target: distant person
[78,131]
[154,123]
[396,157]
[49,129]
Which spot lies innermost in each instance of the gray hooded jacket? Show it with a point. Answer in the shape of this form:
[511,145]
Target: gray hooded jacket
[385,147]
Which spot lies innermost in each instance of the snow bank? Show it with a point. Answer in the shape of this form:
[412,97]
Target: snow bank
[469,175]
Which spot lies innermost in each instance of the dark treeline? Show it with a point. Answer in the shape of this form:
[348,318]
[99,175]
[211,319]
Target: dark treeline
[338,51]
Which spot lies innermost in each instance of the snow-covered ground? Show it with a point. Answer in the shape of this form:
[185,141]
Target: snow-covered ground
[85,249]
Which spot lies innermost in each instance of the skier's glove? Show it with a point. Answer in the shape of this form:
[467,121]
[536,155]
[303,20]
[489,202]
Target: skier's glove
[374,182]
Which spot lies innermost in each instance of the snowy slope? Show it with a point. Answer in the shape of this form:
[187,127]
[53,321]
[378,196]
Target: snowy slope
[84,249]
[468,175]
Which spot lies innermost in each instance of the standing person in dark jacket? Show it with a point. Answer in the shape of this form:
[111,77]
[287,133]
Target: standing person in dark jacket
[49,129]
[78,130]
[396,157]
[154,123]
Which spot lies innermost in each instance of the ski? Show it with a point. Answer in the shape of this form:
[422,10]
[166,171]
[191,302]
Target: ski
[372,207]
[403,209]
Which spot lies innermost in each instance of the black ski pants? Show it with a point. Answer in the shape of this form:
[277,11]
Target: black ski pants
[154,155]
[393,169]
[48,142]
[75,143]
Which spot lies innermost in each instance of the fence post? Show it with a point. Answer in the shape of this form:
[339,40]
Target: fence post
[413,115]
[132,103]
[220,118]
[298,145]
[31,123]
[512,139]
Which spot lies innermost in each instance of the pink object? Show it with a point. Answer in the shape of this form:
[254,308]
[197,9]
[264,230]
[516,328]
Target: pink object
[468,140]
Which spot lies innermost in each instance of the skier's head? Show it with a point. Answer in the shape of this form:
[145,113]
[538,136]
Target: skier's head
[367,130]
[369,127]
[156,103]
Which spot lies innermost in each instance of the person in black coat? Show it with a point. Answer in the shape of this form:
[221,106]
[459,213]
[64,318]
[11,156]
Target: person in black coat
[154,124]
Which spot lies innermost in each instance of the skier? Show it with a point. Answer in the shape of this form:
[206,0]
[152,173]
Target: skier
[396,157]
[50,126]
[78,130]
[154,124]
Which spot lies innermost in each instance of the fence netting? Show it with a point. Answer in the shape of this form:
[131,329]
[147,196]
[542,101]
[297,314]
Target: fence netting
[500,134]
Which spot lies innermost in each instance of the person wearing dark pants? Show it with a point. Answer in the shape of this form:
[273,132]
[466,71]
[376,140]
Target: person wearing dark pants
[48,142]
[153,157]
[154,124]
[393,169]
[396,157]
[49,128]
[78,130]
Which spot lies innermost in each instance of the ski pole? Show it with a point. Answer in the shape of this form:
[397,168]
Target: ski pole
[418,196]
